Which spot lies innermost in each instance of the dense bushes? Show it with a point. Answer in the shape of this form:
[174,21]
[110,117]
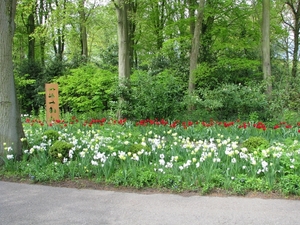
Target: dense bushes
[231,101]
[157,96]
[89,88]
[86,89]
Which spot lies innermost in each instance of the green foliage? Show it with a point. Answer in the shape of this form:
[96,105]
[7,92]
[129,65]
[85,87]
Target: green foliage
[154,96]
[139,177]
[290,184]
[51,172]
[135,148]
[109,58]
[254,143]
[289,116]
[60,150]
[23,83]
[86,89]
[28,81]
[197,158]
[231,101]
[170,181]
[52,135]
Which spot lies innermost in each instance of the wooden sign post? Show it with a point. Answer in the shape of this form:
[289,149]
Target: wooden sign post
[52,104]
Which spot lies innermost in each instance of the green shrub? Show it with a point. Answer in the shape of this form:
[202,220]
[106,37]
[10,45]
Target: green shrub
[253,143]
[290,184]
[156,96]
[170,181]
[60,150]
[134,148]
[231,101]
[51,135]
[86,89]
[140,177]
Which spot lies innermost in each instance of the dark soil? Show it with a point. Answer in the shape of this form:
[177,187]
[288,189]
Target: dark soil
[89,184]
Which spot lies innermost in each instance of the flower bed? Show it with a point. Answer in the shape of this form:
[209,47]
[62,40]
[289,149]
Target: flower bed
[179,155]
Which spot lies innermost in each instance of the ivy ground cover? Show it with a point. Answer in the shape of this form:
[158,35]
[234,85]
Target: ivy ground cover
[235,156]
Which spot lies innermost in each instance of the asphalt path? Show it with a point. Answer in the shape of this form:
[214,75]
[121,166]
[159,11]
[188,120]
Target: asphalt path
[37,204]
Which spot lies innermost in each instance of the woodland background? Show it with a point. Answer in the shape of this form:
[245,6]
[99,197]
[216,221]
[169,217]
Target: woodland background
[135,58]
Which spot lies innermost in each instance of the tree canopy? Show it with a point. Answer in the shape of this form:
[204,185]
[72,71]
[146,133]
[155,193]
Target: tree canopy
[203,44]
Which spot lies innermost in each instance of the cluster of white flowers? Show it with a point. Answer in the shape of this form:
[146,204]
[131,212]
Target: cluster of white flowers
[156,143]
[100,156]
[186,164]
[122,155]
[135,157]
[93,144]
[10,156]
[264,165]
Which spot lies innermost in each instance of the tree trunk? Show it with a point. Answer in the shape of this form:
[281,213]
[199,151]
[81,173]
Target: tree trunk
[124,49]
[195,47]
[192,4]
[11,130]
[294,24]
[132,9]
[42,17]
[296,48]
[83,32]
[266,61]
[123,41]
[31,40]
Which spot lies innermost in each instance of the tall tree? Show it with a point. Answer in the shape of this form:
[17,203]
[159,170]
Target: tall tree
[31,39]
[122,7]
[158,16]
[28,16]
[42,17]
[266,61]
[58,39]
[83,31]
[192,8]
[11,130]
[123,39]
[132,26]
[293,9]
[195,46]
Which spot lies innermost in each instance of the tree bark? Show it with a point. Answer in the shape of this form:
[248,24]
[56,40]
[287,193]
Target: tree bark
[11,130]
[31,40]
[83,32]
[295,9]
[192,4]
[42,17]
[124,50]
[123,41]
[132,9]
[266,61]
[195,46]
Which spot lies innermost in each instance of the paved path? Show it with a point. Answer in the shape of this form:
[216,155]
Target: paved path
[39,205]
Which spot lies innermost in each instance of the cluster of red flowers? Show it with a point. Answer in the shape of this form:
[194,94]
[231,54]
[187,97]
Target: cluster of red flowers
[205,124]
[102,121]
[284,124]
[260,125]
[244,125]
[227,124]
[151,122]
[185,125]
[95,121]
[162,122]
[33,121]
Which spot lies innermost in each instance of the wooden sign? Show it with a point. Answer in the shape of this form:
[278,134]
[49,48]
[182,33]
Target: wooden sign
[52,104]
